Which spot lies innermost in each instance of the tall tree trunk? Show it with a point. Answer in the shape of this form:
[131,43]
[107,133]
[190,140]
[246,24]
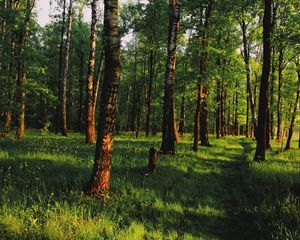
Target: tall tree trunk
[263,96]
[97,82]
[135,93]
[60,67]
[247,117]
[100,177]
[81,83]
[168,126]
[271,112]
[279,101]
[291,128]
[218,110]
[149,93]
[197,120]
[182,128]
[223,107]
[246,57]
[272,95]
[90,118]
[21,70]
[236,116]
[63,96]
[203,84]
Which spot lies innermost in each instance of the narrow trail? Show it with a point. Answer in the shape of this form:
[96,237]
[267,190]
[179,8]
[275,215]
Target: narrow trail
[234,195]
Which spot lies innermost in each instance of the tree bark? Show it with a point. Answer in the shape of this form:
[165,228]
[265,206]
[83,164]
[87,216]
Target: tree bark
[182,128]
[63,96]
[292,123]
[272,95]
[168,127]
[246,57]
[81,83]
[203,84]
[149,93]
[60,67]
[279,101]
[263,96]
[197,120]
[218,110]
[223,109]
[100,177]
[152,160]
[90,114]
[21,70]
[236,116]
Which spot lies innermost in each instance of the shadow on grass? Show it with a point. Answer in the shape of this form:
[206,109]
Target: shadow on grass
[172,200]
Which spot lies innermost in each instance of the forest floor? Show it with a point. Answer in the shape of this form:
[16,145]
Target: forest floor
[217,193]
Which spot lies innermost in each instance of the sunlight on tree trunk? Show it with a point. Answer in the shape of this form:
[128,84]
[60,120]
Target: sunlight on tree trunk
[100,177]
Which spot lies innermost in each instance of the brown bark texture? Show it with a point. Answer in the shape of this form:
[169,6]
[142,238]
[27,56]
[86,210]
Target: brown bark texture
[168,127]
[100,177]
[21,70]
[63,95]
[60,66]
[203,84]
[264,86]
[292,123]
[90,114]
[152,160]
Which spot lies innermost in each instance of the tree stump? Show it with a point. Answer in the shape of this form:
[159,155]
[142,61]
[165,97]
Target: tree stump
[152,160]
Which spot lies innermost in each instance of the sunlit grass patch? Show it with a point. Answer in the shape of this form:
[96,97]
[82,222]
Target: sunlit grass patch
[189,197]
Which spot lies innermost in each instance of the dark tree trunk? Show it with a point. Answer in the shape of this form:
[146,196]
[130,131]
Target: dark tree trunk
[291,128]
[246,57]
[279,101]
[81,83]
[272,95]
[152,160]
[218,110]
[60,66]
[268,127]
[21,70]
[182,128]
[247,117]
[223,107]
[273,69]
[168,126]
[149,93]
[263,96]
[90,114]
[197,120]
[100,177]
[203,84]
[63,95]
[236,116]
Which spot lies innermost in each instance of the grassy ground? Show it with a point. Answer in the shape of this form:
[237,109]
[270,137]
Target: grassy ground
[217,193]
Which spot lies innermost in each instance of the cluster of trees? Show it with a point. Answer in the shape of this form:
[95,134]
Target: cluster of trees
[226,67]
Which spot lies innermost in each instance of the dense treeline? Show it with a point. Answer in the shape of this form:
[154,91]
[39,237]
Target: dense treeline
[218,67]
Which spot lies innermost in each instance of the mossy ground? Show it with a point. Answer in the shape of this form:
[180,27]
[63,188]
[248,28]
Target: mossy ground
[217,193]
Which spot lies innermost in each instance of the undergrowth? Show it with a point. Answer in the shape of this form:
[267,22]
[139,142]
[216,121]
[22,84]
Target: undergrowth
[217,193]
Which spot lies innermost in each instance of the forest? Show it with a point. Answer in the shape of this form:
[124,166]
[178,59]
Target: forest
[150,119]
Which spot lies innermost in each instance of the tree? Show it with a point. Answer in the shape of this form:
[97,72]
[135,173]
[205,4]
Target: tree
[60,65]
[100,177]
[90,94]
[168,127]
[21,69]
[264,86]
[290,134]
[63,95]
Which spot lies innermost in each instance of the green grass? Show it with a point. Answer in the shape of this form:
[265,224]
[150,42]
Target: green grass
[217,193]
